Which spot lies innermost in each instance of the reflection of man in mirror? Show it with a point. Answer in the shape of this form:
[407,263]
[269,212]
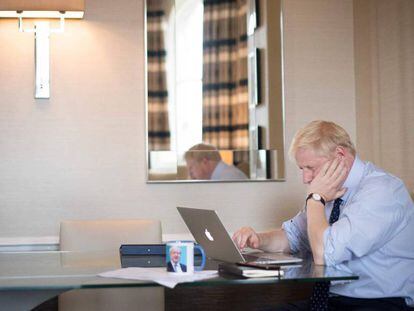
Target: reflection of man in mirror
[204,162]
[174,264]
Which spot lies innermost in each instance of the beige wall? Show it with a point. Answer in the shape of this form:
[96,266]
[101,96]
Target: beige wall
[384,76]
[81,154]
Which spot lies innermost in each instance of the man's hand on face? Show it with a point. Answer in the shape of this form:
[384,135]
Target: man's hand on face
[246,237]
[328,183]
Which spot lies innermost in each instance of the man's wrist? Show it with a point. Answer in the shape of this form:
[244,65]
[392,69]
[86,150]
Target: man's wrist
[315,197]
[259,239]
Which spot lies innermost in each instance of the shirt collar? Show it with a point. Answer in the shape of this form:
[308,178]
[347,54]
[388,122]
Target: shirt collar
[354,177]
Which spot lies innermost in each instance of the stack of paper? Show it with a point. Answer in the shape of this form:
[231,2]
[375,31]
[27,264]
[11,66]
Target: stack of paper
[158,275]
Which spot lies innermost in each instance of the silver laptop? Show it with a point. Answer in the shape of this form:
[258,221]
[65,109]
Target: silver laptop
[209,231]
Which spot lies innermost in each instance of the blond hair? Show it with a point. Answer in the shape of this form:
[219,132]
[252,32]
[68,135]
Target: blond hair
[203,151]
[322,137]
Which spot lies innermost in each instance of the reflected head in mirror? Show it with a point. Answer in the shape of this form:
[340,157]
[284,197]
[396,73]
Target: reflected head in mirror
[204,162]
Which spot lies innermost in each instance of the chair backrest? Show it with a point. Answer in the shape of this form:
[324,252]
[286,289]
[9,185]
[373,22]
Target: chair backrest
[96,235]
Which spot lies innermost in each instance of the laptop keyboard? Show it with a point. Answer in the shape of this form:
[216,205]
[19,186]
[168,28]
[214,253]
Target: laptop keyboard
[259,260]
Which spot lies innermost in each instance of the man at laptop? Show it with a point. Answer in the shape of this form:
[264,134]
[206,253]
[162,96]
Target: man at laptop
[356,217]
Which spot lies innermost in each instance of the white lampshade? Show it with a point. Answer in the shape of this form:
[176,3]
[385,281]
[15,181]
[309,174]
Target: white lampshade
[42,8]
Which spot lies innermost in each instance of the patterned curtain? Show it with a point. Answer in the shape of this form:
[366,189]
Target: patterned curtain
[225,89]
[158,124]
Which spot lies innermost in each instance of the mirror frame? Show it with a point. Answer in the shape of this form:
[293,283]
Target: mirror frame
[270,84]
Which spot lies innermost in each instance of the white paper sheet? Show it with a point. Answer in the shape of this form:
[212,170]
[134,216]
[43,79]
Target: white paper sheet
[158,275]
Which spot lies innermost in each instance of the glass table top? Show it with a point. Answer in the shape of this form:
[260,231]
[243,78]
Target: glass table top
[73,270]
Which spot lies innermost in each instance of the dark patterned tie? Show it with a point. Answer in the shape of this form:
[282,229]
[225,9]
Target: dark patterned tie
[320,294]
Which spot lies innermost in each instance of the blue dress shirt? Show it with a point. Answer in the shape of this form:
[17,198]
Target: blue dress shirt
[224,171]
[373,237]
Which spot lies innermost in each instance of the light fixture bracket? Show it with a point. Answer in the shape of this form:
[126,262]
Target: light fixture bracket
[42,33]
[51,30]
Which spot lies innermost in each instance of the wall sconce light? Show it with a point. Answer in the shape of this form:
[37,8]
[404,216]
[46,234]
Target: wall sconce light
[44,9]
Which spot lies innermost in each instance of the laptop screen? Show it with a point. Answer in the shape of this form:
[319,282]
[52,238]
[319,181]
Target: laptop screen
[209,231]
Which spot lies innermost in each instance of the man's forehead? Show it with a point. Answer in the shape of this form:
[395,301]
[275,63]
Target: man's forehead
[308,156]
[306,153]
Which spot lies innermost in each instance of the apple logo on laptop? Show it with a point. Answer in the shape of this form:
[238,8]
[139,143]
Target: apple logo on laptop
[208,235]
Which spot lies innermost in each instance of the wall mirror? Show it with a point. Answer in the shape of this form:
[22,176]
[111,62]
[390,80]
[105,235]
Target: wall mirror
[214,83]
